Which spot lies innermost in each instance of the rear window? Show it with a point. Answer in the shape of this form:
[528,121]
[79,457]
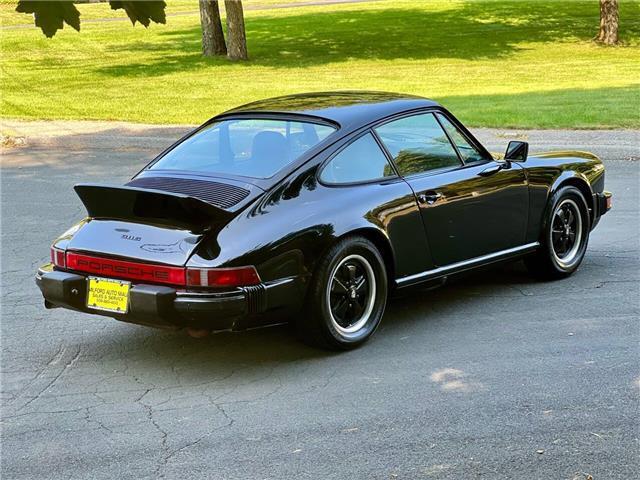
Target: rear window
[257,148]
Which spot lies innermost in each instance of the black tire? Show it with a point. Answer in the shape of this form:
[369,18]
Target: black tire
[338,275]
[560,254]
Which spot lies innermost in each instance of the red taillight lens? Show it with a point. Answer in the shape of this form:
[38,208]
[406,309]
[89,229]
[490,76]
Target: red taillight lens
[222,277]
[57,257]
[109,267]
[146,272]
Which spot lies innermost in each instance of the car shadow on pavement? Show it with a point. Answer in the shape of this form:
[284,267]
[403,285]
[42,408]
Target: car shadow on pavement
[148,350]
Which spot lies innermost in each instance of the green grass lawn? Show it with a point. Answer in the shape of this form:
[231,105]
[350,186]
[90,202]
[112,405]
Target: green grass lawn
[493,63]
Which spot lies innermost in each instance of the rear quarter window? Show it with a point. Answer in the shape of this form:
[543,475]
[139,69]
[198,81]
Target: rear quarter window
[360,161]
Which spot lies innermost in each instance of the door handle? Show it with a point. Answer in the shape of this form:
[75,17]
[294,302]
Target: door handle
[490,170]
[429,197]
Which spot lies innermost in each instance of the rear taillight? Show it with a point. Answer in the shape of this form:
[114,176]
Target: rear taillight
[57,257]
[153,273]
[222,277]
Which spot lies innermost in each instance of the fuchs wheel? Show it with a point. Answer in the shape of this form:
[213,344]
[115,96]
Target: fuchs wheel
[351,294]
[347,296]
[565,236]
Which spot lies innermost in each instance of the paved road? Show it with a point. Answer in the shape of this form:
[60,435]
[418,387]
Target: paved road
[468,381]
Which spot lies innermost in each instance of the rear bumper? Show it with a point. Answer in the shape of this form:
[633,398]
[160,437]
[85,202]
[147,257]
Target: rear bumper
[162,306]
[602,203]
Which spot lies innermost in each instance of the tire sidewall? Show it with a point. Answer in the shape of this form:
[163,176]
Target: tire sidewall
[562,194]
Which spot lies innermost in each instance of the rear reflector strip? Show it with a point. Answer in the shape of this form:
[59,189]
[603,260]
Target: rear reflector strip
[146,272]
[126,270]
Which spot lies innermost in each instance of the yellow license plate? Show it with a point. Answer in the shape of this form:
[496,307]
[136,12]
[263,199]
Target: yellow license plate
[107,294]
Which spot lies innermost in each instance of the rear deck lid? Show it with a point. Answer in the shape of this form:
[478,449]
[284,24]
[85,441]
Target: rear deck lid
[149,243]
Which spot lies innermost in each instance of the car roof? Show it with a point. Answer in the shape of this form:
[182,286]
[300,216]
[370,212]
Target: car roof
[349,109]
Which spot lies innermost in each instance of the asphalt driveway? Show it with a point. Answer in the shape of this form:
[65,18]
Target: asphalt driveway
[493,376]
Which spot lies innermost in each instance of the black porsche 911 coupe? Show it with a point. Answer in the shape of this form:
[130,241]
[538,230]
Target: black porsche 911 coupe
[312,209]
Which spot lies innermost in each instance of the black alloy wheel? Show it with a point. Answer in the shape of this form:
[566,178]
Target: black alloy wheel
[351,293]
[566,231]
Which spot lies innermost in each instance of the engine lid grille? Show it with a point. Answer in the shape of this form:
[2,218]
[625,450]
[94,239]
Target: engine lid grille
[218,194]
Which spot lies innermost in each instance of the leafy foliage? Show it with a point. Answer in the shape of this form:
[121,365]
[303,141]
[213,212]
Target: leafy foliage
[144,12]
[51,15]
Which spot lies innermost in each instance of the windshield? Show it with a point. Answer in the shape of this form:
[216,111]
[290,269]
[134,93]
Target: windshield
[256,148]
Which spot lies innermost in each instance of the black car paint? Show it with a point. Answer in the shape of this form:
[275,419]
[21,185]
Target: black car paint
[288,221]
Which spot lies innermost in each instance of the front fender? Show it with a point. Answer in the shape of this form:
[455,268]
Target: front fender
[548,172]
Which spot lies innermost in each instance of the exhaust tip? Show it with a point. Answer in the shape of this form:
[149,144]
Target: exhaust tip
[198,332]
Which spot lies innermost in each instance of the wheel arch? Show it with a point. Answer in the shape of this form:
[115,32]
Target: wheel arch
[381,242]
[581,184]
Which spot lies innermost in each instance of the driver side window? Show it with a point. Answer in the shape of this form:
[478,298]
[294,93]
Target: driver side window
[418,144]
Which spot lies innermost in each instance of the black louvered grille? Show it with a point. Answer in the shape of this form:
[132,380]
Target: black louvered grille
[256,301]
[219,194]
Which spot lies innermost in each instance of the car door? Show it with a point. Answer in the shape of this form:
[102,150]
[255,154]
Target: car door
[471,205]
[365,186]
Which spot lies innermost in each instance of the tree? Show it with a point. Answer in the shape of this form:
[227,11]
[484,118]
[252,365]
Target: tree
[51,15]
[236,37]
[212,36]
[608,33]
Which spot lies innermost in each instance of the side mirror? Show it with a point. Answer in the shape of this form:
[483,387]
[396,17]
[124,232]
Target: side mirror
[517,151]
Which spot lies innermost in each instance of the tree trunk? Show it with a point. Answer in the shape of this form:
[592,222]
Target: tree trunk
[608,22]
[235,30]
[212,36]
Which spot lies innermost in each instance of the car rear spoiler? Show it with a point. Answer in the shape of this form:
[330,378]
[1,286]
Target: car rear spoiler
[148,205]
